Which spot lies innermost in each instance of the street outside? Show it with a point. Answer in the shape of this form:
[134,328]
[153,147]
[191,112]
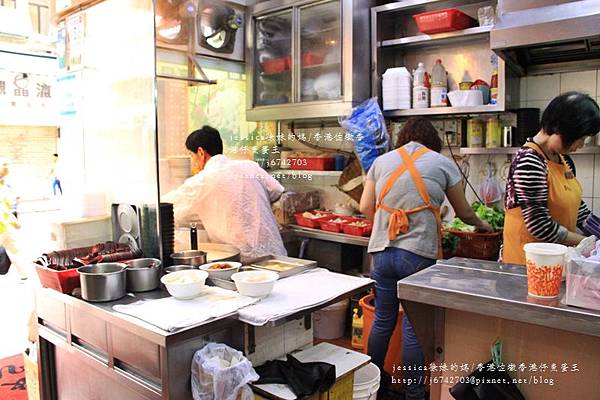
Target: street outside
[17,296]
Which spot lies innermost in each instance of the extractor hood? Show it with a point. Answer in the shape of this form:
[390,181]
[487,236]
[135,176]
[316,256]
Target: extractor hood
[530,33]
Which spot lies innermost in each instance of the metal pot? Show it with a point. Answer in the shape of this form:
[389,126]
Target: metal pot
[102,282]
[143,274]
[189,257]
[175,268]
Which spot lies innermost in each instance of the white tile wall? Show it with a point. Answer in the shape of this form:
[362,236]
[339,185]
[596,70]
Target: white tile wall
[597,177]
[596,205]
[589,201]
[585,81]
[543,87]
[597,84]
[585,173]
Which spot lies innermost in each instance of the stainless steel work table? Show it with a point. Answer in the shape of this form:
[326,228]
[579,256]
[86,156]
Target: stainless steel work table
[493,289]
[87,350]
[459,307]
[320,234]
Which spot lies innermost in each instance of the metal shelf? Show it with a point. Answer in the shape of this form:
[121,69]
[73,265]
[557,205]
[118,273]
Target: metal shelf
[439,38]
[443,111]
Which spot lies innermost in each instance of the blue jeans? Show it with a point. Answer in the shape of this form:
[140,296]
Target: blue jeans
[390,266]
[56,185]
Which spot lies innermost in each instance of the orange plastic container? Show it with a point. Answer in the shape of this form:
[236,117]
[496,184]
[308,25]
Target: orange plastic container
[446,20]
[394,353]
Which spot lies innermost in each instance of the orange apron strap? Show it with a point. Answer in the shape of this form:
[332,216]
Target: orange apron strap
[422,188]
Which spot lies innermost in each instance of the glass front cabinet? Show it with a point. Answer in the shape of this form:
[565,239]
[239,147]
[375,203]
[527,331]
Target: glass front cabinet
[301,59]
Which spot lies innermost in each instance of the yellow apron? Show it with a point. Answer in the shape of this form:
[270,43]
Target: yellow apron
[398,220]
[564,199]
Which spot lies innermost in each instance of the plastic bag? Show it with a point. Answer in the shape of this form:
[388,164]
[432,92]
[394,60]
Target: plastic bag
[491,190]
[583,274]
[366,126]
[221,373]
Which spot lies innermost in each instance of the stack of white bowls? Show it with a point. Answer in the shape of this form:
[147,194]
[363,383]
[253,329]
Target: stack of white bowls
[396,88]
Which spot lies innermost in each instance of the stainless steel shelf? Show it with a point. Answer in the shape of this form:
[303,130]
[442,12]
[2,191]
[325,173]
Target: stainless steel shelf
[440,38]
[514,150]
[329,236]
[489,151]
[443,111]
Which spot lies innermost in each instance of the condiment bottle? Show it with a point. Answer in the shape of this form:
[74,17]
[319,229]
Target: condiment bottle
[494,83]
[420,91]
[474,133]
[357,330]
[439,85]
[493,136]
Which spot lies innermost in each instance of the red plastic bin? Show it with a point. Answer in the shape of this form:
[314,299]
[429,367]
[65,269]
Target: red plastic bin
[358,230]
[310,222]
[64,281]
[312,163]
[446,20]
[336,227]
[310,58]
[276,65]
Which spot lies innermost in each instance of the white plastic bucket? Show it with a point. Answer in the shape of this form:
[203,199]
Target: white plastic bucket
[366,383]
[330,322]
[545,264]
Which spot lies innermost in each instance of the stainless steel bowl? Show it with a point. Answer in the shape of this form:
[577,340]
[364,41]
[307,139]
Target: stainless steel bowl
[174,268]
[189,257]
[143,274]
[102,282]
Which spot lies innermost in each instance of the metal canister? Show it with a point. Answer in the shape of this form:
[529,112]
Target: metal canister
[475,133]
[507,136]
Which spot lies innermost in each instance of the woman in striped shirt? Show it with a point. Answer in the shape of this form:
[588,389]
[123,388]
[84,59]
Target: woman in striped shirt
[543,197]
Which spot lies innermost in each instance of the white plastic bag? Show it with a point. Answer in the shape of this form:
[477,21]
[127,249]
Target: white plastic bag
[221,373]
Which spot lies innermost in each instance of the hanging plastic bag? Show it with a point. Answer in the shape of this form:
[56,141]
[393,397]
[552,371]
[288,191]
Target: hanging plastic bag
[491,190]
[221,373]
[366,126]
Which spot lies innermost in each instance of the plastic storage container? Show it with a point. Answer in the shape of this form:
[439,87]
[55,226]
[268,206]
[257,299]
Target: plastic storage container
[312,163]
[583,284]
[311,58]
[545,263]
[358,230]
[330,322]
[396,89]
[63,281]
[309,222]
[366,382]
[446,20]
[276,65]
[337,227]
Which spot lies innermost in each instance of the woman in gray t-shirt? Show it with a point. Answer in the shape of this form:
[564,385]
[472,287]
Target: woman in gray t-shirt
[403,193]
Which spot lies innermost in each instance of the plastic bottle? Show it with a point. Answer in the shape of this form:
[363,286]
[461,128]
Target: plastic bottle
[357,330]
[494,83]
[420,91]
[439,85]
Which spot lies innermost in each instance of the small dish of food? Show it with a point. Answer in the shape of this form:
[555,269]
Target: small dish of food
[185,284]
[255,283]
[221,269]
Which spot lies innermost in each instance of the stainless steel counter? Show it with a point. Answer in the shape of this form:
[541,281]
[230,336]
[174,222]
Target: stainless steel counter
[493,289]
[329,236]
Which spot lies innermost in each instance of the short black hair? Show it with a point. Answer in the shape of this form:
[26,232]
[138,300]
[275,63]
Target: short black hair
[208,138]
[420,130]
[571,115]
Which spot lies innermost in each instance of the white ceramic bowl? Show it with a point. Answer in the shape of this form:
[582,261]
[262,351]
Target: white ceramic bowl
[221,273]
[185,284]
[255,283]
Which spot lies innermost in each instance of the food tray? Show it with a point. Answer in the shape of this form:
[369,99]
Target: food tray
[336,227]
[447,20]
[63,281]
[357,230]
[310,222]
[295,265]
[227,283]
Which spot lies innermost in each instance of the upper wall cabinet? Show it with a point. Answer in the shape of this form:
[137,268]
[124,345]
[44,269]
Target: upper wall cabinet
[307,59]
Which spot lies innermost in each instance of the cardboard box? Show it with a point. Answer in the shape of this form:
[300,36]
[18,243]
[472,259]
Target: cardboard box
[31,377]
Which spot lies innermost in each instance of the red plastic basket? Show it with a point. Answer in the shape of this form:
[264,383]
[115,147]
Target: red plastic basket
[310,222]
[63,281]
[310,58]
[312,163]
[336,227]
[358,230]
[446,20]
[482,246]
[276,65]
